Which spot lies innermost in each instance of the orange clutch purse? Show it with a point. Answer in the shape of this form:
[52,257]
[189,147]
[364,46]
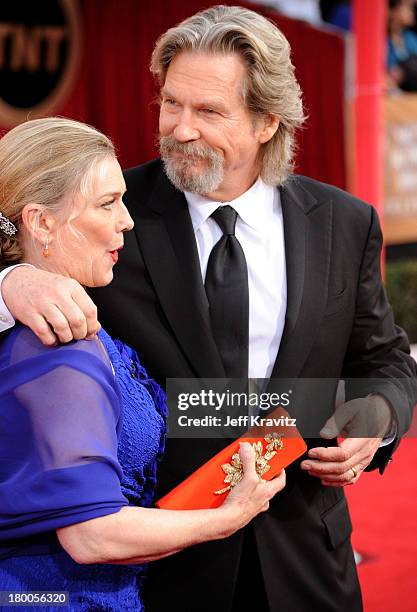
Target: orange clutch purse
[208,486]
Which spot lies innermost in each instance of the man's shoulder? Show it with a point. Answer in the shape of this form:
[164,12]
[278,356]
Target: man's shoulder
[148,188]
[344,203]
[144,174]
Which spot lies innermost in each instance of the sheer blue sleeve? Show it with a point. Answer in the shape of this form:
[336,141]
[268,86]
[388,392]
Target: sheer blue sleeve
[60,412]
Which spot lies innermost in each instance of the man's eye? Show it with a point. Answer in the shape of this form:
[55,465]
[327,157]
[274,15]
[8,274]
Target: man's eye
[209,111]
[170,102]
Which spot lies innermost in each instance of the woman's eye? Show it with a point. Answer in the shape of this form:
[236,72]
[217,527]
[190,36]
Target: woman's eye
[108,205]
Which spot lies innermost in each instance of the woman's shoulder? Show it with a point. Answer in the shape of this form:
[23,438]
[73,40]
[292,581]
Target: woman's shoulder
[22,344]
[69,369]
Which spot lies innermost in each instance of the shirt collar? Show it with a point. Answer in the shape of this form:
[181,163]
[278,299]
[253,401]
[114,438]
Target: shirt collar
[254,206]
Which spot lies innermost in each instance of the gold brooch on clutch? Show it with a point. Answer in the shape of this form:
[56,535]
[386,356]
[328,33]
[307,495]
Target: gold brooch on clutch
[234,469]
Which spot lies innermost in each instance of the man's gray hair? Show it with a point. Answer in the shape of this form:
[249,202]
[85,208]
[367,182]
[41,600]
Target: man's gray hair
[270,86]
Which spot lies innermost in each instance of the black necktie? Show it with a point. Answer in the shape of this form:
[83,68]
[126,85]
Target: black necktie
[228,295]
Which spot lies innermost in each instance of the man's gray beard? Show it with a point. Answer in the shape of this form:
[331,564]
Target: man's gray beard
[181,171]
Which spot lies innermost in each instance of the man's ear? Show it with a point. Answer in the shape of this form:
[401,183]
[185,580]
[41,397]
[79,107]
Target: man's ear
[268,126]
[38,222]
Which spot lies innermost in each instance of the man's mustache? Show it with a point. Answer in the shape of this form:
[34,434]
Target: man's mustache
[168,144]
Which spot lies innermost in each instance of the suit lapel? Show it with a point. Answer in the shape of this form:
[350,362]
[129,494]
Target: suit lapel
[308,236]
[176,276]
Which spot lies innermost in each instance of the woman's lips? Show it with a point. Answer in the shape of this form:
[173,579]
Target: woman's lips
[115,254]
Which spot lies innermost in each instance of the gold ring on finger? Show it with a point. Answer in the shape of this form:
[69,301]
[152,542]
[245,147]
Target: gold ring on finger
[355,473]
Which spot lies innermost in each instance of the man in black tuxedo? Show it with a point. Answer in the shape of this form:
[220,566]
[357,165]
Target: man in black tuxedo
[311,305]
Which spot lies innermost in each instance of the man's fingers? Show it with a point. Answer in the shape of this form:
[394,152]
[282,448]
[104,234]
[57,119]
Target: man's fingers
[42,330]
[334,460]
[344,418]
[339,466]
[319,468]
[88,310]
[363,417]
[338,474]
[59,323]
[349,476]
[68,319]
[330,430]
[345,451]
[330,453]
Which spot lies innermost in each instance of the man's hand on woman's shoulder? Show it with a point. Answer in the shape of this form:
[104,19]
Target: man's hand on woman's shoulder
[54,307]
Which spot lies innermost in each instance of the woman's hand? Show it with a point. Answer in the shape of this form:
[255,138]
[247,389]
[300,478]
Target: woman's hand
[251,496]
[139,535]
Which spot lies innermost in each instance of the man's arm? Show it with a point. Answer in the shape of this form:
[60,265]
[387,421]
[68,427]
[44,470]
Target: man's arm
[377,365]
[378,359]
[52,306]
[6,318]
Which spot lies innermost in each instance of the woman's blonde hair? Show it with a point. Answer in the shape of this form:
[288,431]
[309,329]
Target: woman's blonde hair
[41,161]
[270,86]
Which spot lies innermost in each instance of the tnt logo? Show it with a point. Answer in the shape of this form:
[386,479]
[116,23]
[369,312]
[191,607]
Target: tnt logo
[39,52]
[33,49]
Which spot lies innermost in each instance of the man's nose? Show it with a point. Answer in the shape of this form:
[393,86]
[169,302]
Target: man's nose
[185,129]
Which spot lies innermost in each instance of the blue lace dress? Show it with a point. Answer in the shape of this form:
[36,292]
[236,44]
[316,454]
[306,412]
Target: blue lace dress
[82,432]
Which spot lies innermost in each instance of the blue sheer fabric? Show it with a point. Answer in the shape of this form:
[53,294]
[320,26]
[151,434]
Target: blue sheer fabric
[82,432]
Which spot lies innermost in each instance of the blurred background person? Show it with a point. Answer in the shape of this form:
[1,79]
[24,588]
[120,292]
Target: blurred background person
[402,45]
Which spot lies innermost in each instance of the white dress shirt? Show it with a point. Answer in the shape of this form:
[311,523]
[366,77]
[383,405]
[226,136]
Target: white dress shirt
[6,318]
[260,231]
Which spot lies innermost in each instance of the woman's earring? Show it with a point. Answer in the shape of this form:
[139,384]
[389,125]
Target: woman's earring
[45,251]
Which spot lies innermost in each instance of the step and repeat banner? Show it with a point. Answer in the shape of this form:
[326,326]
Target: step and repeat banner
[39,57]
[400,205]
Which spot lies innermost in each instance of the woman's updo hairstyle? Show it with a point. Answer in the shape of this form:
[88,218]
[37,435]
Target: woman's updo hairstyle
[41,161]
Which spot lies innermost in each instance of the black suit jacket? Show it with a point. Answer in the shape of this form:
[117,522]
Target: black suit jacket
[338,325]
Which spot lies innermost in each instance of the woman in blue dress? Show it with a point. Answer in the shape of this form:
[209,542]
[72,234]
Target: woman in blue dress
[82,425]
